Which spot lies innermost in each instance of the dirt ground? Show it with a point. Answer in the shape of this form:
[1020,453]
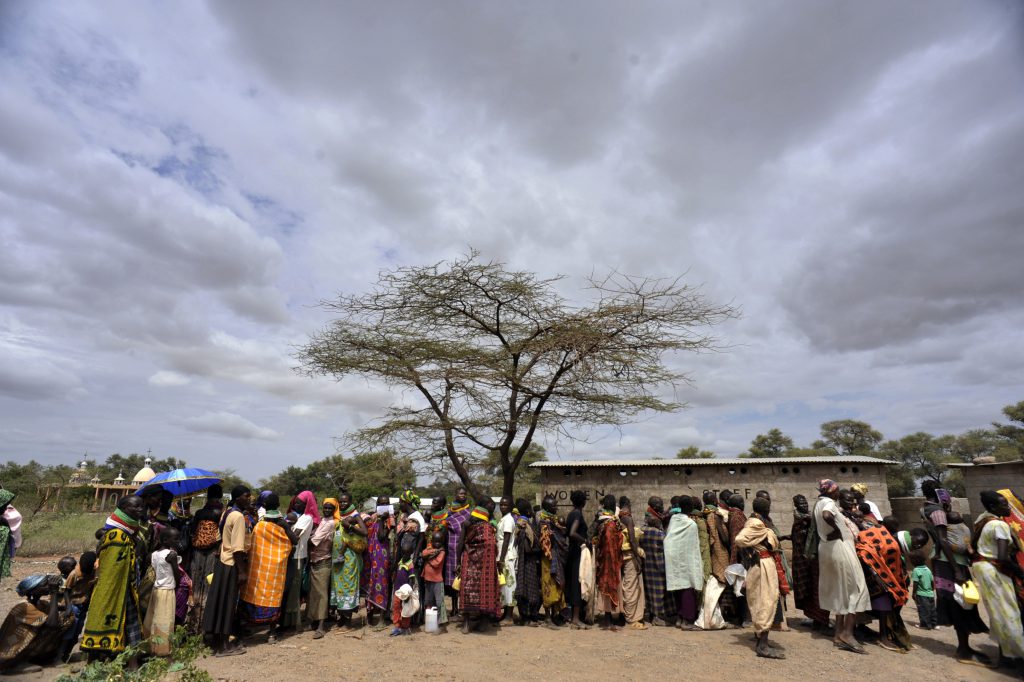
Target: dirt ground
[525,653]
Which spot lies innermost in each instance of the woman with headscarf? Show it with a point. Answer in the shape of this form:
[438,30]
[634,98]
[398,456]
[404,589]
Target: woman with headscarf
[350,541]
[303,516]
[321,545]
[478,570]
[376,579]
[841,586]
[113,621]
[33,629]
[272,542]
[994,570]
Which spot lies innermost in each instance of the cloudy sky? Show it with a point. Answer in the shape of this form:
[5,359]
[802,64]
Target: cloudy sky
[180,183]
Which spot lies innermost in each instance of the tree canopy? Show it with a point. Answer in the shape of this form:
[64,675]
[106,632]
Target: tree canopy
[693,452]
[490,358]
[772,444]
[364,475]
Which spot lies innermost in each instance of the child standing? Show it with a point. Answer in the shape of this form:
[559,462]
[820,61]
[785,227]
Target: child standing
[159,623]
[924,593]
[405,588]
[433,576]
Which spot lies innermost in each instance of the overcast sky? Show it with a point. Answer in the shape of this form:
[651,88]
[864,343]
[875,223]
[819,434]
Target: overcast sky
[181,182]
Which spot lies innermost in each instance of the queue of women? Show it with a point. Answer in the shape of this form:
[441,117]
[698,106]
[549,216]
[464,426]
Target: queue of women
[249,570]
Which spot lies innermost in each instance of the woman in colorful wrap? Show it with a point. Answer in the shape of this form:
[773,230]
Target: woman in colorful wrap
[527,592]
[479,596]
[272,542]
[607,543]
[554,544]
[458,516]
[887,581]
[758,547]
[994,571]
[113,622]
[948,572]
[33,629]
[376,579]
[350,541]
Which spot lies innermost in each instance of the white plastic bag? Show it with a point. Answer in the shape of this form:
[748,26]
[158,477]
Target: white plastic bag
[735,575]
[710,615]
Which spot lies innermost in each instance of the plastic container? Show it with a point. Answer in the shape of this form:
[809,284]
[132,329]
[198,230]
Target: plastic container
[430,624]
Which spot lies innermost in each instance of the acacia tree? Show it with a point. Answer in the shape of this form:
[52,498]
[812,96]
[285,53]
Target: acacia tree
[772,444]
[490,358]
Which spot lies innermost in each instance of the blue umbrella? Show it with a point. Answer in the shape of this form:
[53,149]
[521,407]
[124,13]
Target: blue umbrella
[181,482]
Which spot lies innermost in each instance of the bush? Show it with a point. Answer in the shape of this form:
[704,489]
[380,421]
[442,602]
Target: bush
[185,649]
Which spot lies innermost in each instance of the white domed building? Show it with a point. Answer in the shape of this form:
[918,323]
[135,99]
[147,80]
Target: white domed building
[144,475]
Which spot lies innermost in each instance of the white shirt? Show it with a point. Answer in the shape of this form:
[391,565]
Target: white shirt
[304,527]
[164,571]
[13,517]
[507,525]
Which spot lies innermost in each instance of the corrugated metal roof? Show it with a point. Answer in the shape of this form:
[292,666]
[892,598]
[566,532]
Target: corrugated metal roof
[583,463]
[966,465]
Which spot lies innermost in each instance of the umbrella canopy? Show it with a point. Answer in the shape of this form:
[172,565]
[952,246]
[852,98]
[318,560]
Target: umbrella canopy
[181,482]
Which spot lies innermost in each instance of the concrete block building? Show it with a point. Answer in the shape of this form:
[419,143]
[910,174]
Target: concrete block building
[639,479]
[989,476]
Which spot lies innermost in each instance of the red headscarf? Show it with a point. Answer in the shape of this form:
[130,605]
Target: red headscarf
[312,508]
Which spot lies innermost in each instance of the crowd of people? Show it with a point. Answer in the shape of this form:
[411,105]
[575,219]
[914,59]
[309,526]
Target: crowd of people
[249,569]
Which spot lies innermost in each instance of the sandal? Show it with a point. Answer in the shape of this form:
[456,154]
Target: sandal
[234,651]
[771,653]
[639,625]
[319,634]
[978,659]
[845,646]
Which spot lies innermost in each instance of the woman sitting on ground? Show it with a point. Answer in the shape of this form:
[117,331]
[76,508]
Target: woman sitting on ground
[33,629]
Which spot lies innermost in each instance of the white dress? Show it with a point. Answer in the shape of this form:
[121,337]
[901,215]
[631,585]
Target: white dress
[841,586]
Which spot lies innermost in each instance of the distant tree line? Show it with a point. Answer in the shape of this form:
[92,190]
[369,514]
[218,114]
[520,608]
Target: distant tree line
[921,456]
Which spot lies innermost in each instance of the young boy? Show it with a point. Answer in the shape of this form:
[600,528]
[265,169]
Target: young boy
[924,593]
[158,626]
[405,587]
[433,577]
[78,586]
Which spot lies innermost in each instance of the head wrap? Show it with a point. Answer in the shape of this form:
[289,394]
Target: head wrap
[412,498]
[30,584]
[827,486]
[121,519]
[861,488]
[6,496]
[262,498]
[337,507]
[238,491]
[312,509]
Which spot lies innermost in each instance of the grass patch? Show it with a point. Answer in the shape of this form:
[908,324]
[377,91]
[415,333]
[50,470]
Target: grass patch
[59,533]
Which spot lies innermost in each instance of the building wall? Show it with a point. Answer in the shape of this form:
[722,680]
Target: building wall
[908,510]
[780,480]
[991,477]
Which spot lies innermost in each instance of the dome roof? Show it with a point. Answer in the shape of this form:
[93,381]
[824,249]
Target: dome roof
[145,473]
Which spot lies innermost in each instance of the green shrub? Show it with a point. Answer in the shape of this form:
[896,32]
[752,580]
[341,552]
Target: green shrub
[185,649]
[58,533]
